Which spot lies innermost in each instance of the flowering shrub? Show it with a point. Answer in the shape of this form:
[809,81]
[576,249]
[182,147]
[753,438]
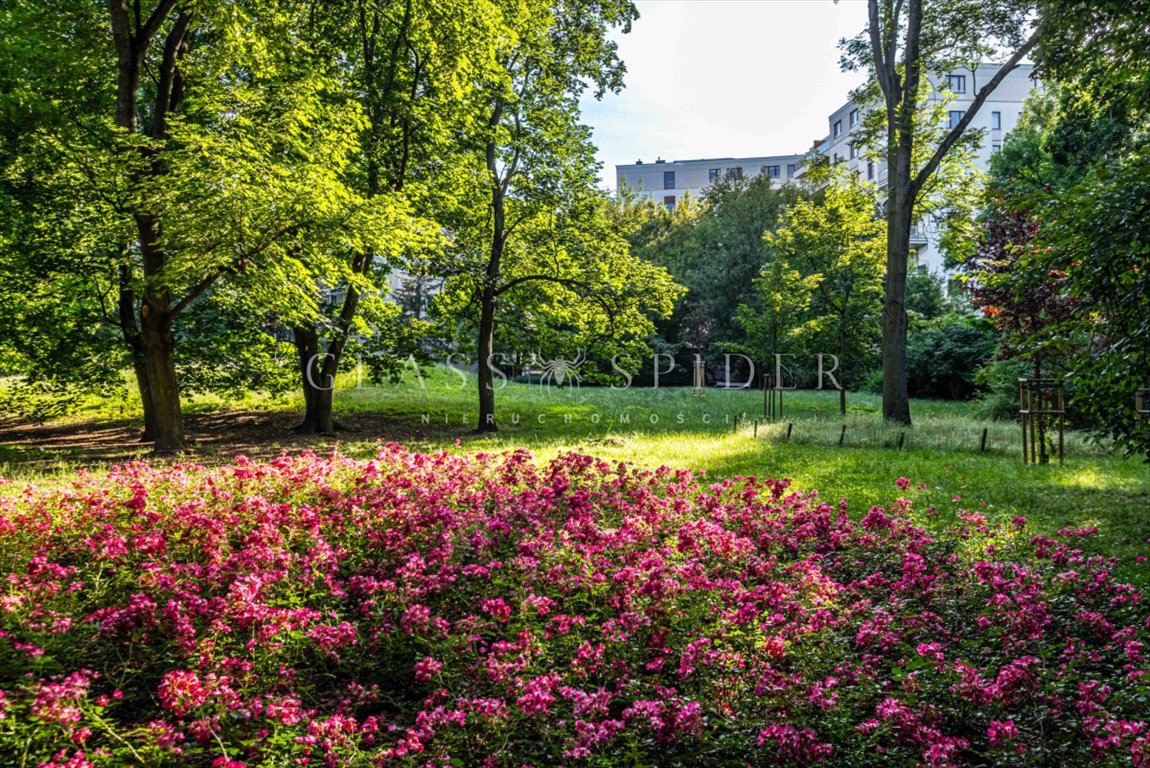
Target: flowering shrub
[483,610]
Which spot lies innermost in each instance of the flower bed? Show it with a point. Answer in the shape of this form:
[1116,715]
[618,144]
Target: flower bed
[483,610]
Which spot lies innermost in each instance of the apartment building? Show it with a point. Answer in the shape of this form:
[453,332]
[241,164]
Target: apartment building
[995,118]
[667,181]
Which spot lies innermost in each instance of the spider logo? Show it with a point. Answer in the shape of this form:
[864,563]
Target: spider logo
[559,370]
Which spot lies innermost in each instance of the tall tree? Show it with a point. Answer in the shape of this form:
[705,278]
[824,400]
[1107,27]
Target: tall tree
[411,67]
[537,229]
[905,43]
[773,322]
[209,147]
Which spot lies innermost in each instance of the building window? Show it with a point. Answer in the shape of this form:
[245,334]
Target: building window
[953,117]
[669,202]
[771,170]
[995,147]
[838,131]
[996,121]
[870,171]
[712,174]
[790,170]
[837,158]
[956,83]
[668,179]
[735,173]
[854,151]
[854,117]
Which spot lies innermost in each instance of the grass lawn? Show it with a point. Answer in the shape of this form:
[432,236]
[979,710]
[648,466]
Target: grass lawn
[716,434]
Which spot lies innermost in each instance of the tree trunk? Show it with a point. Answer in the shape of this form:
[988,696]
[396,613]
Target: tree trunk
[318,384]
[163,386]
[322,421]
[131,335]
[895,400]
[486,349]
[842,356]
[489,293]
[140,367]
[899,218]
[306,345]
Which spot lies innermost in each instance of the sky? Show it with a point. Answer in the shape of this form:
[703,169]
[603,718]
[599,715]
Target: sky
[725,78]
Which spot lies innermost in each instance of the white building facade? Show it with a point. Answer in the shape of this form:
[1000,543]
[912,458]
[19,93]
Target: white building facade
[666,182]
[995,118]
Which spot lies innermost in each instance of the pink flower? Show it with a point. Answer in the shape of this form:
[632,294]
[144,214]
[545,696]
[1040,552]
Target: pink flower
[1002,733]
[182,691]
[58,702]
[415,619]
[689,719]
[497,608]
[427,669]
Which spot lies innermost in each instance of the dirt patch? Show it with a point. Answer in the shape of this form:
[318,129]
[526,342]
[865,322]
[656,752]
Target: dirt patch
[213,437]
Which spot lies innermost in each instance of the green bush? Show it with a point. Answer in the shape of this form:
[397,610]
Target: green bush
[943,356]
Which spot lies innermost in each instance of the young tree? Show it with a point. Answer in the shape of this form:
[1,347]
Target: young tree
[832,250]
[907,41]
[783,298]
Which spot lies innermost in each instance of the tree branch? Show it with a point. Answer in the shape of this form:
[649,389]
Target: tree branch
[566,281]
[152,26]
[167,94]
[980,98]
[194,294]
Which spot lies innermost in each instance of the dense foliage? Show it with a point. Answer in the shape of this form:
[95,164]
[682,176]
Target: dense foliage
[486,610]
[186,187]
[943,356]
[835,245]
[717,252]
[1062,266]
